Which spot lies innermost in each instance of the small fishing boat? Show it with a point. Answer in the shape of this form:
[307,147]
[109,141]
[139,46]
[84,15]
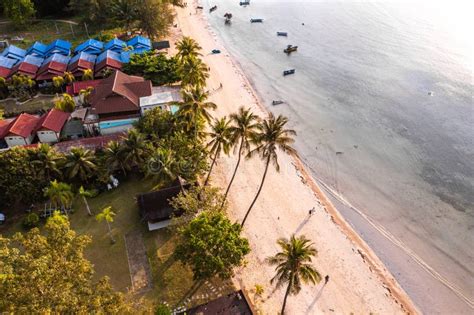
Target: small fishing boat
[290,71]
[282,34]
[289,49]
[244,3]
[199,7]
[277,102]
[228,18]
[216,51]
[214,8]
[256,20]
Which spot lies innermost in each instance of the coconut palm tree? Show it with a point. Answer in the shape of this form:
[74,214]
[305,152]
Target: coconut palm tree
[219,141]
[114,157]
[187,47]
[244,129]
[45,161]
[107,215]
[123,12]
[60,194]
[80,162]
[68,77]
[85,194]
[58,82]
[293,265]
[194,72]
[271,135]
[65,103]
[87,74]
[85,94]
[135,149]
[195,107]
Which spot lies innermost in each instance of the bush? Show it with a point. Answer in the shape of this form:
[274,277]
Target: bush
[162,309]
[30,221]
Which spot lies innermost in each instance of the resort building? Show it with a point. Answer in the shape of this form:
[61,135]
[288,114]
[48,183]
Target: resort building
[28,66]
[6,66]
[14,53]
[50,126]
[116,45]
[52,66]
[58,46]
[140,42]
[38,49]
[81,62]
[108,60]
[21,131]
[163,97]
[75,87]
[90,46]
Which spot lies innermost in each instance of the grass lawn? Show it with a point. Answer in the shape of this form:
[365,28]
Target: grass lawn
[32,106]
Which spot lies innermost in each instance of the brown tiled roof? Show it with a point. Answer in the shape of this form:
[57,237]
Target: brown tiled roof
[54,120]
[24,125]
[76,87]
[119,93]
[5,126]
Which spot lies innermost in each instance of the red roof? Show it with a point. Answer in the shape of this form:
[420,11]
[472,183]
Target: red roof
[79,66]
[54,120]
[50,70]
[108,63]
[4,126]
[89,143]
[4,72]
[27,69]
[76,87]
[119,93]
[24,125]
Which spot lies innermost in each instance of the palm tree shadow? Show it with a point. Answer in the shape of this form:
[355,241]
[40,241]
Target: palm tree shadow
[316,298]
[302,224]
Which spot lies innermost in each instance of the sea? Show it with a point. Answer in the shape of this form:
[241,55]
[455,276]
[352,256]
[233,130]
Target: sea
[382,101]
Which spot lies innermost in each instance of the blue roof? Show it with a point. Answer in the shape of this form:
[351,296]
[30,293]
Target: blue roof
[139,41]
[83,56]
[7,62]
[33,60]
[90,44]
[59,45]
[115,43]
[57,58]
[108,54]
[37,47]
[14,52]
[125,55]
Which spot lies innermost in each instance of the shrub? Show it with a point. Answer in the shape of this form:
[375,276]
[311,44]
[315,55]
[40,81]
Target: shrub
[30,221]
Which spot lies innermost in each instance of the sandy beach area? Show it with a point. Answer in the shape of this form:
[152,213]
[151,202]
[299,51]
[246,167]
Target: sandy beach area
[359,282]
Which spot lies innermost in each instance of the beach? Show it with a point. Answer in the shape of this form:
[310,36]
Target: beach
[359,282]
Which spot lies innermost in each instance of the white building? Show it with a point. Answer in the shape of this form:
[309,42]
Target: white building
[50,126]
[21,131]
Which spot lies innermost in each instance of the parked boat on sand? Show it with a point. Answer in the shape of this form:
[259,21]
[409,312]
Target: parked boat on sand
[290,71]
[256,20]
[282,34]
[290,48]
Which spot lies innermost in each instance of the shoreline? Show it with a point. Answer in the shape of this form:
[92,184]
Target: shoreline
[360,248]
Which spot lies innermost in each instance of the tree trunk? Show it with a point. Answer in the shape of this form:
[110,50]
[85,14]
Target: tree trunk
[235,172]
[110,232]
[286,297]
[212,165]
[258,192]
[87,205]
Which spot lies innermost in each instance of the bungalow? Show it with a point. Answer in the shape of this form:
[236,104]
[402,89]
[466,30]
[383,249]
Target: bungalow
[162,97]
[108,60]
[125,55]
[28,66]
[58,46]
[116,101]
[138,42]
[90,46]
[50,125]
[6,66]
[14,53]
[52,66]
[38,49]
[115,44]
[4,127]
[76,87]
[22,130]
[81,62]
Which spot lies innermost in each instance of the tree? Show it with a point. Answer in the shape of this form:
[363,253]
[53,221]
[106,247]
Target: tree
[271,136]
[49,274]
[157,123]
[87,75]
[65,103]
[211,245]
[243,130]
[60,194]
[193,72]
[187,48]
[124,12]
[135,148]
[219,141]
[159,68]
[86,94]
[45,161]
[58,82]
[162,165]
[114,157]
[154,17]
[107,215]
[81,163]
[85,194]
[19,11]
[293,265]
[68,77]
[22,86]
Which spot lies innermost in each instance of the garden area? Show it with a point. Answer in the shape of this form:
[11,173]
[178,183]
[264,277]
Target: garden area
[40,103]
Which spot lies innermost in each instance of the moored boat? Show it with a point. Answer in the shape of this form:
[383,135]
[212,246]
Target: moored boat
[246,2]
[278,102]
[256,20]
[282,34]
[214,8]
[289,49]
[290,71]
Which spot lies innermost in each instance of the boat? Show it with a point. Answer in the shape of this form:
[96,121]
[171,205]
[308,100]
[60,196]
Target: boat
[290,71]
[214,8]
[246,2]
[289,49]
[282,34]
[256,20]
[228,18]
[216,51]
[277,102]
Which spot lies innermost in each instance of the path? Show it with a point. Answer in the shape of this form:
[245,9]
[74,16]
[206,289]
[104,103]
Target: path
[140,272]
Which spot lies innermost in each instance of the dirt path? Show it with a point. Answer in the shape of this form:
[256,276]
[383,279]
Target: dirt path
[140,272]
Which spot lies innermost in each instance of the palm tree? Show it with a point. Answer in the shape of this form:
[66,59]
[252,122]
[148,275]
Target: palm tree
[68,77]
[108,215]
[244,129]
[80,162]
[194,72]
[114,156]
[187,47]
[87,74]
[59,193]
[85,194]
[85,94]
[58,82]
[65,103]
[45,161]
[123,12]
[271,136]
[220,141]
[135,149]
[293,265]
[195,107]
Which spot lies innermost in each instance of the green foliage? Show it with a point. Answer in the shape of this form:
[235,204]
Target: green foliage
[60,194]
[30,221]
[65,103]
[19,11]
[193,72]
[162,309]
[50,274]
[80,165]
[212,246]
[51,7]
[68,77]
[187,48]
[58,82]
[87,74]
[154,17]
[220,141]
[21,87]
[136,149]
[158,68]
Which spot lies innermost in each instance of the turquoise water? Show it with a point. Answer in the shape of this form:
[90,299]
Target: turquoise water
[389,86]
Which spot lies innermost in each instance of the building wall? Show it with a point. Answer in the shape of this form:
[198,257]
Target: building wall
[48,136]
[113,126]
[17,140]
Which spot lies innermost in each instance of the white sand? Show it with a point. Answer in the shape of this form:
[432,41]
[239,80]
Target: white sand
[359,282]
